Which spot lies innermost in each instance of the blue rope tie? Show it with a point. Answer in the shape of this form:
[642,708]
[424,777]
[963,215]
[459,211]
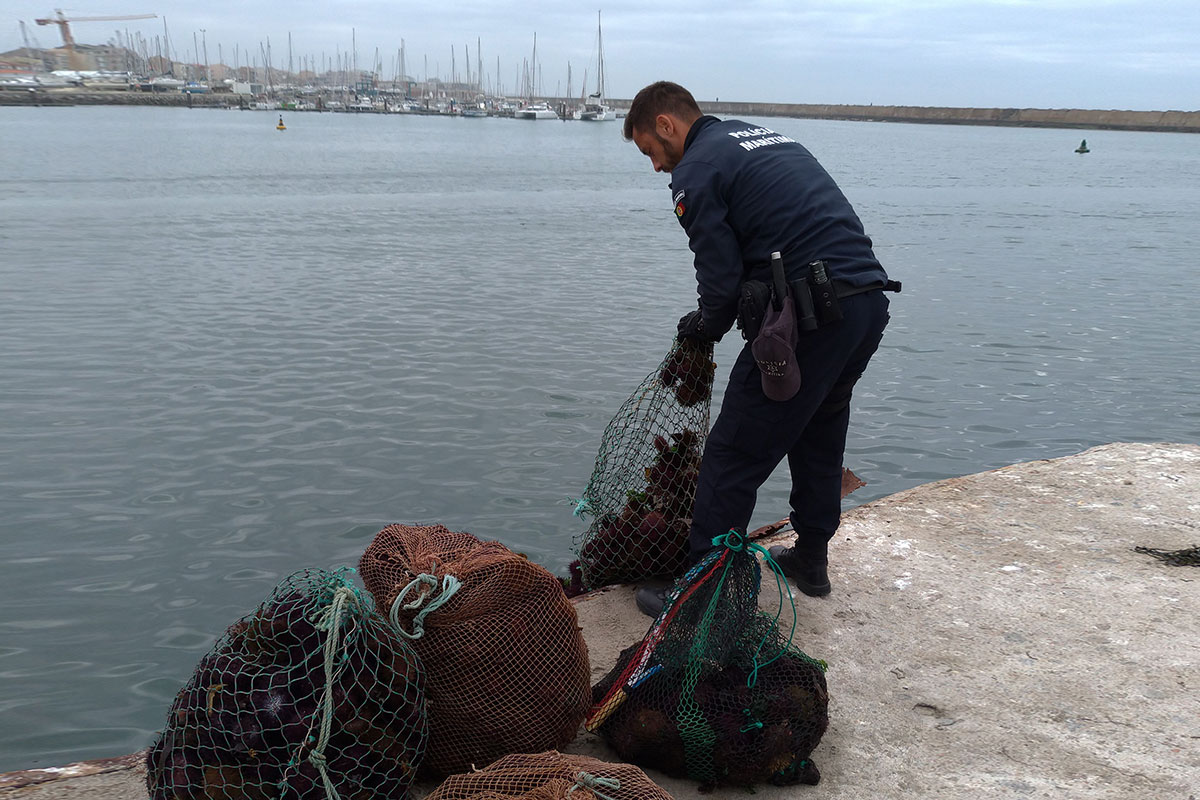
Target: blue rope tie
[585,780]
[450,585]
[582,506]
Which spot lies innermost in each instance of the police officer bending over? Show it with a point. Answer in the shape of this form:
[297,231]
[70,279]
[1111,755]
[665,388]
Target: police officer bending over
[743,192]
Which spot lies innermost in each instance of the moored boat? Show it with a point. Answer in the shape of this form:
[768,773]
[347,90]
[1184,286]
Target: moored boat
[535,111]
[594,109]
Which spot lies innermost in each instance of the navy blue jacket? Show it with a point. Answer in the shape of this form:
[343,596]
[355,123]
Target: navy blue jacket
[742,191]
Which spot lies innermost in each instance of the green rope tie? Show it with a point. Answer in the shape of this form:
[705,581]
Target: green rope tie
[330,621]
[754,723]
[736,540]
[586,780]
[427,582]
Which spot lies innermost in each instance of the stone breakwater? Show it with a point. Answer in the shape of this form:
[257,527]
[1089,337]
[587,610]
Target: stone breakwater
[60,97]
[1081,118]
[1093,119]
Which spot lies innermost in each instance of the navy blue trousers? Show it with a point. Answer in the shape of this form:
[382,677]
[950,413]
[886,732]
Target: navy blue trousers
[753,434]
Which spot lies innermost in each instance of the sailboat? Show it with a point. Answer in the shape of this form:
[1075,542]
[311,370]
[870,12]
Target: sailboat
[594,109]
[532,110]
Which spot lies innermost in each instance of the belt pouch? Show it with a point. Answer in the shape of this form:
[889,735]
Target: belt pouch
[753,300]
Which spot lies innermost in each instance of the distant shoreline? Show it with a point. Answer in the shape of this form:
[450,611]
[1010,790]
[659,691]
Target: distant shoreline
[1084,119]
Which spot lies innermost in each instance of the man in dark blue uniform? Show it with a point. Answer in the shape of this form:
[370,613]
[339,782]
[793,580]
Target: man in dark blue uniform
[743,192]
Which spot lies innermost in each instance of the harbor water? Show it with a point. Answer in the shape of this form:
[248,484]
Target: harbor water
[229,352]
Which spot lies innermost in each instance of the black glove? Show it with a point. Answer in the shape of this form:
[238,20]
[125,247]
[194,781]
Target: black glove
[691,326]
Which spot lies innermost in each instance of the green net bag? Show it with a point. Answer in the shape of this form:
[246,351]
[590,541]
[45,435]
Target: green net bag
[642,489]
[310,696]
[715,691]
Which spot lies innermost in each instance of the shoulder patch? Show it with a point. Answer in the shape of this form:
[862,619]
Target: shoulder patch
[678,201]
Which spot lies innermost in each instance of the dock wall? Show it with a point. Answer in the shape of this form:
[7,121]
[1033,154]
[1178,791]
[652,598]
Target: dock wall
[1083,118]
[58,97]
[1173,121]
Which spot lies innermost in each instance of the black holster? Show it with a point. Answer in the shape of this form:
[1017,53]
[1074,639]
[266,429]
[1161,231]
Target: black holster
[824,295]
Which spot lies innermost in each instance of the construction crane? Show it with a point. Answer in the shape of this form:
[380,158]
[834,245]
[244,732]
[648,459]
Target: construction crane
[64,27]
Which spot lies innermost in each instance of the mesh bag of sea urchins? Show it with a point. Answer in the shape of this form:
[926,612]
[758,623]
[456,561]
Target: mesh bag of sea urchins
[551,776]
[643,485]
[313,695]
[716,691]
[506,663]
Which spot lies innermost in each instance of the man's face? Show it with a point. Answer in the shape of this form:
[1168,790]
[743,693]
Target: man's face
[663,151]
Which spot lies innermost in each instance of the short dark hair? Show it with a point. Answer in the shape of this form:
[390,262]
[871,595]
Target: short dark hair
[662,97]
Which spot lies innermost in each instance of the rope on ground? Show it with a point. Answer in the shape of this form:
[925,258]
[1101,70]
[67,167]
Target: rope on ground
[1187,557]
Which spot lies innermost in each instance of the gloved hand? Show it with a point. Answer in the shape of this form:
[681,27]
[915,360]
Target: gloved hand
[691,326]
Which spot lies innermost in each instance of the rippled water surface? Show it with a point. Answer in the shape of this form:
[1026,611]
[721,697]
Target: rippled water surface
[228,353]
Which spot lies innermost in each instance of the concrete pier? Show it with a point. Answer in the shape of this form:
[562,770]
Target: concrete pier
[993,635]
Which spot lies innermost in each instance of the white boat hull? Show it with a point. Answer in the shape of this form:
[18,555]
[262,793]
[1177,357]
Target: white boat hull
[539,111]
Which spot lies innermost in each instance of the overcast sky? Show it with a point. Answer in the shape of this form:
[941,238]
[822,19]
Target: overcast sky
[1122,54]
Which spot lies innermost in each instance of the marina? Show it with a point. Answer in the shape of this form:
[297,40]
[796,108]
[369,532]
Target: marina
[138,69]
[134,63]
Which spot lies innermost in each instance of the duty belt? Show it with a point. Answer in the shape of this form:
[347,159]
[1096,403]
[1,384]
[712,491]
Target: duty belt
[844,289]
[815,295]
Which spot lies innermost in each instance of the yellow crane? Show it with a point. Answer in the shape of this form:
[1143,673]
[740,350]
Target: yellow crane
[64,27]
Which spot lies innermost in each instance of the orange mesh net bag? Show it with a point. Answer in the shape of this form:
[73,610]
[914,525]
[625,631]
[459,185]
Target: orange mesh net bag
[506,665]
[551,776]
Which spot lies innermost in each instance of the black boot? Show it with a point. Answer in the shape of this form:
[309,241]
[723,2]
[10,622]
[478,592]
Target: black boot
[809,574]
[650,601]
[652,596]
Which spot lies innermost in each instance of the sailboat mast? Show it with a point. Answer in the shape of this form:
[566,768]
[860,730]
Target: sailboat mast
[599,58]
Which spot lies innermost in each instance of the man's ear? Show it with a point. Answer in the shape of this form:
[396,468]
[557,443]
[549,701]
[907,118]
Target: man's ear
[664,124]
